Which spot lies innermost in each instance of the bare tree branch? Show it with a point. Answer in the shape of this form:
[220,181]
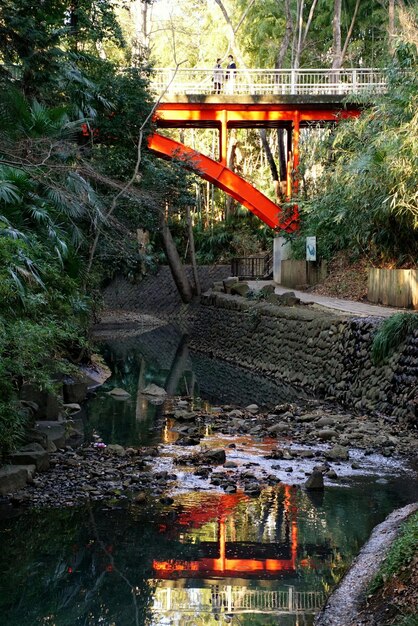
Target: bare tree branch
[350,31]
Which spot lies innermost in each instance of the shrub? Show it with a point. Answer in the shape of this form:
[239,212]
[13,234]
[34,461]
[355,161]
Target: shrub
[392,332]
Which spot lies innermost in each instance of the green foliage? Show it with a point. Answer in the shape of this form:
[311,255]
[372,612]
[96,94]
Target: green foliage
[44,39]
[391,333]
[400,554]
[406,620]
[12,425]
[366,200]
[235,237]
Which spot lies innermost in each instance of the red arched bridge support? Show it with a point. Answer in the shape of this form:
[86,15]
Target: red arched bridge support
[224,113]
[225,179]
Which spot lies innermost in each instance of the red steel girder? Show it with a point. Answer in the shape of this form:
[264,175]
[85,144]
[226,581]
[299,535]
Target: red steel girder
[224,178]
[177,115]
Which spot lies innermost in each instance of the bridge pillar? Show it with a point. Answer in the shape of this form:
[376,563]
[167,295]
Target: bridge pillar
[223,139]
[281,252]
[295,142]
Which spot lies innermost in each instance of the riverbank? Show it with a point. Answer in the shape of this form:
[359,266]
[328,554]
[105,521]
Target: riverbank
[235,449]
[211,448]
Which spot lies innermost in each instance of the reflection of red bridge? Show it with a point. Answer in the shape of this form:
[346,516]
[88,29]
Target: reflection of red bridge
[231,558]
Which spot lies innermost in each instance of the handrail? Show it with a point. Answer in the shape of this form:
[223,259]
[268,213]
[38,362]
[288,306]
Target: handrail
[243,600]
[271,81]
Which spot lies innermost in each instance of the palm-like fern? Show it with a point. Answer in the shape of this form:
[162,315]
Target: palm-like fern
[41,192]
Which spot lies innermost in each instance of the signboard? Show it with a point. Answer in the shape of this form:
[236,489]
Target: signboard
[311,248]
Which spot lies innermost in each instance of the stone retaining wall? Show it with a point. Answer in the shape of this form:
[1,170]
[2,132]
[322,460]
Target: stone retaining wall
[322,351]
[157,293]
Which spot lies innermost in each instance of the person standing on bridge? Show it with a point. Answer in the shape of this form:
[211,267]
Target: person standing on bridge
[230,74]
[218,77]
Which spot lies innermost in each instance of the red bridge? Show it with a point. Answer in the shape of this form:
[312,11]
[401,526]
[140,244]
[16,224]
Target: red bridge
[289,99]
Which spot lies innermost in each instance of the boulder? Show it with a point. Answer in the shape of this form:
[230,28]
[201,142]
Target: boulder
[75,392]
[252,408]
[218,286]
[119,393]
[53,431]
[337,453]
[267,289]
[280,427]
[326,434]
[252,489]
[228,282]
[49,404]
[184,416]
[288,299]
[33,434]
[213,457]
[12,478]
[307,417]
[154,390]
[30,471]
[73,407]
[325,421]
[31,454]
[230,464]
[240,289]
[315,481]
[115,449]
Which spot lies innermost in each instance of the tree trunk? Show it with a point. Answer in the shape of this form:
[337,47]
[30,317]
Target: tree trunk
[176,266]
[271,161]
[178,366]
[282,154]
[299,30]
[391,26]
[336,34]
[232,146]
[193,252]
[287,36]
[350,31]
[309,21]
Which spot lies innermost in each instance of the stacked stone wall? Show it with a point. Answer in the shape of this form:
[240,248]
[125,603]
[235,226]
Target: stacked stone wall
[157,294]
[322,351]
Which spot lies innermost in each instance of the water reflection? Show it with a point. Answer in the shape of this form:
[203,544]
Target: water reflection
[162,357]
[259,561]
[207,559]
[211,558]
[248,560]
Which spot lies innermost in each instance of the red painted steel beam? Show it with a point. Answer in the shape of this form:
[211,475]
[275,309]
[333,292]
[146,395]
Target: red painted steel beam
[224,178]
[214,115]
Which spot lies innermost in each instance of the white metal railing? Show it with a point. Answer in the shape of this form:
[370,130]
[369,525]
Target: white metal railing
[274,82]
[238,600]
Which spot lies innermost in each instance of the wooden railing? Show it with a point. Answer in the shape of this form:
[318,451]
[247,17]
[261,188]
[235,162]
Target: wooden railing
[270,81]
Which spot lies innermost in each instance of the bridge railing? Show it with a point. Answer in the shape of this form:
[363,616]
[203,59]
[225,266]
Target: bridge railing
[237,600]
[271,81]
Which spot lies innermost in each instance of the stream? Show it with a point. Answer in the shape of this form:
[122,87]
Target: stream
[203,556]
